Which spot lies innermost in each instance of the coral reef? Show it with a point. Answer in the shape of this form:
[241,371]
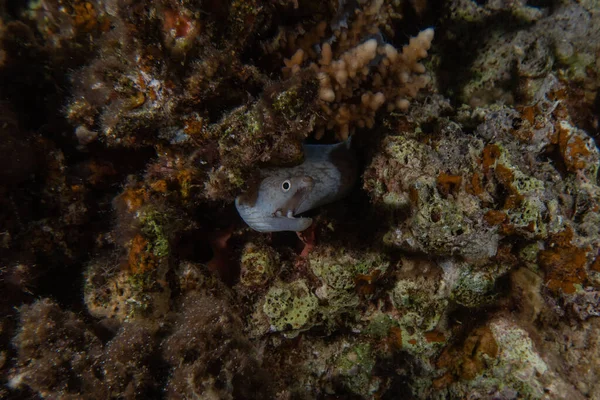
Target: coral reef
[464,265]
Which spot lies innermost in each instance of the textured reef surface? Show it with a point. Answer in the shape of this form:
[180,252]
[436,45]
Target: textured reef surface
[464,263]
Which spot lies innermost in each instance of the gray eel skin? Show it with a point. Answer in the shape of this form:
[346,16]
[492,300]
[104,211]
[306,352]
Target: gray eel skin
[326,175]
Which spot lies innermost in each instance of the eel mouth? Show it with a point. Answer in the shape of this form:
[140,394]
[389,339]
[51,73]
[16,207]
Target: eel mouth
[290,214]
[285,220]
[288,210]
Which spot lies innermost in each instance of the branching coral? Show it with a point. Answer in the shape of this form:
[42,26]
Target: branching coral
[358,75]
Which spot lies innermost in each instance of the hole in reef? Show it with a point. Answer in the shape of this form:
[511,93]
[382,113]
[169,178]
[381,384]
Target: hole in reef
[59,282]
[190,356]
[427,127]
[436,215]
[517,123]
[192,247]
[551,154]
[540,3]
[595,133]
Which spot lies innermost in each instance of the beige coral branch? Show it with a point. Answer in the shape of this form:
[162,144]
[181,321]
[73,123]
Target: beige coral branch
[358,74]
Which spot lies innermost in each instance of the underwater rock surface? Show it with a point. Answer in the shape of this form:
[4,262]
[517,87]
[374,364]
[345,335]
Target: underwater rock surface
[464,264]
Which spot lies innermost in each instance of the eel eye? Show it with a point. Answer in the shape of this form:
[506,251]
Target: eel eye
[286,185]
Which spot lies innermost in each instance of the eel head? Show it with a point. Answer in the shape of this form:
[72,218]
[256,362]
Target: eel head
[271,206]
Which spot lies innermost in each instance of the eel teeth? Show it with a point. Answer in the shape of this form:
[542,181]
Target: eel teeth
[290,214]
[278,213]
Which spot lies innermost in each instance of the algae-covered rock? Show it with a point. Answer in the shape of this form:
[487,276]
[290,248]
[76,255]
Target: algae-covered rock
[207,342]
[548,38]
[473,288]
[290,306]
[354,369]
[473,285]
[123,296]
[343,275]
[342,278]
[438,215]
[258,264]
[500,360]
[420,297]
[54,347]
[420,302]
[508,365]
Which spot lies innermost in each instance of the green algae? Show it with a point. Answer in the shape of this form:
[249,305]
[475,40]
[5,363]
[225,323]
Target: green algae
[290,306]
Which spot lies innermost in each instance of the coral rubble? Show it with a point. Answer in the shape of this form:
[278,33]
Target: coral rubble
[466,263]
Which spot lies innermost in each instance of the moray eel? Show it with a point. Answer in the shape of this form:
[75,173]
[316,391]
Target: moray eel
[326,175]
